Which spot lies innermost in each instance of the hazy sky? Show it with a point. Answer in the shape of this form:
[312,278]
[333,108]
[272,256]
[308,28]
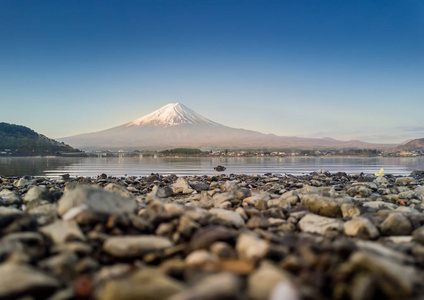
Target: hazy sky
[342,69]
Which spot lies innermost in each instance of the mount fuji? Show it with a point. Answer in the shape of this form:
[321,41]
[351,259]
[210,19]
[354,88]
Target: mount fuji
[175,125]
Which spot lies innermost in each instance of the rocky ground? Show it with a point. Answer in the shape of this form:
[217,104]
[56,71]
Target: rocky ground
[320,236]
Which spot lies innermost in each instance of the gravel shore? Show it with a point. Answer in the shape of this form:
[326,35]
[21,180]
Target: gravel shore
[318,236]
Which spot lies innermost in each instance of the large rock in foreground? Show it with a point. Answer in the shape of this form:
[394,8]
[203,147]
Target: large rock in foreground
[96,200]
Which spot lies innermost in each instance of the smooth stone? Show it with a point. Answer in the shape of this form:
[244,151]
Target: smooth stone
[80,248]
[285,290]
[10,198]
[261,284]
[145,284]
[181,186]
[59,263]
[362,228]
[381,180]
[97,200]
[223,250]
[200,258]
[227,215]
[349,210]
[199,186]
[383,251]
[396,280]
[380,205]
[119,190]
[37,193]
[250,247]
[418,235]
[63,231]
[258,222]
[19,280]
[164,192]
[22,183]
[206,236]
[324,206]
[135,246]
[318,224]
[405,181]
[359,190]
[9,211]
[220,198]
[396,224]
[224,285]
[419,192]
[400,239]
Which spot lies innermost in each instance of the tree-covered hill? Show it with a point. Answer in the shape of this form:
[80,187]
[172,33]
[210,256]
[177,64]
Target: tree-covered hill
[21,140]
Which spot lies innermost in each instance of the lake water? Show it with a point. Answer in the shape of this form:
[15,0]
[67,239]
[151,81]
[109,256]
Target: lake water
[130,166]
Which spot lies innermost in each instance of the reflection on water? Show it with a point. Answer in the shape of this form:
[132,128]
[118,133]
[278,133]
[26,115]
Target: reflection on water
[118,166]
[34,165]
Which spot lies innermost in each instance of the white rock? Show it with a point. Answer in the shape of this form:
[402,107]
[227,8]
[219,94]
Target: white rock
[228,215]
[318,224]
[249,247]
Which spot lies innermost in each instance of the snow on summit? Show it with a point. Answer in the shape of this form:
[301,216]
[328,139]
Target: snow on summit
[172,114]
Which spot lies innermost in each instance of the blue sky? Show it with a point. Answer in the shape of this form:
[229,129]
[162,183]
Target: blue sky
[341,69]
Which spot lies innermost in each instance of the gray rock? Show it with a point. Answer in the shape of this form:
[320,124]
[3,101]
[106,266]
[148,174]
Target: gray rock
[419,192]
[359,190]
[318,224]
[249,247]
[362,228]
[381,181]
[146,284]
[206,236]
[200,258]
[22,183]
[324,206]
[119,190]
[230,216]
[405,181]
[57,264]
[380,205]
[220,198]
[257,222]
[396,280]
[181,186]
[9,211]
[96,200]
[214,287]
[10,198]
[164,192]
[63,231]
[199,186]
[396,224]
[349,210]
[383,251]
[19,280]
[38,194]
[418,235]
[265,279]
[135,246]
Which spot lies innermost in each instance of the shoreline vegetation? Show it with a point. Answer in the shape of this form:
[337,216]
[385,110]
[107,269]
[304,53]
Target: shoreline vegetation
[196,152]
[315,236]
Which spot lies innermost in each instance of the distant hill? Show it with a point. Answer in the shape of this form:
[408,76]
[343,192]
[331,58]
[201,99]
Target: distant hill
[414,145]
[177,126]
[21,140]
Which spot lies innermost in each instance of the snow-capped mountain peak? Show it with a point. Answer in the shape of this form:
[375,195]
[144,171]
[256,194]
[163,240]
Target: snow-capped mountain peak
[172,114]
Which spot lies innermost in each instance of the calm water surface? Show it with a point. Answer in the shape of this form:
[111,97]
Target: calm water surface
[90,166]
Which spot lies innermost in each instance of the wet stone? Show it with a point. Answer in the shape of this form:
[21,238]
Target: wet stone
[135,246]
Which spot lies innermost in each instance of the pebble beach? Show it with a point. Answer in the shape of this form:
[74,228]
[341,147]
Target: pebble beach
[317,236]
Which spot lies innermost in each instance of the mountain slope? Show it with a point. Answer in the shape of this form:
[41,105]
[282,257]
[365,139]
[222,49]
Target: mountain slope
[414,145]
[21,140]
[176,125]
